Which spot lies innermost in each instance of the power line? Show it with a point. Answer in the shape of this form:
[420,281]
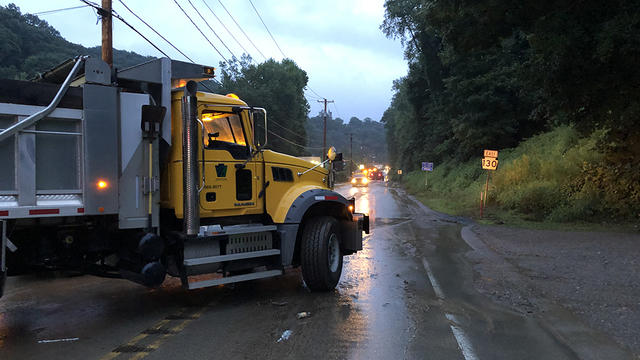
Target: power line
[265,26]
[103,12]
[239,27]
[59,10]
[210,28]
[287,129]
[154,30]
[225,27]
[287,140]
[337,111]
[201,33]
[312,97]
[313,91]
[291,142]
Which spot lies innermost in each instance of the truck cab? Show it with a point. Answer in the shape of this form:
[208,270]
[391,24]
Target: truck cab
[170,178]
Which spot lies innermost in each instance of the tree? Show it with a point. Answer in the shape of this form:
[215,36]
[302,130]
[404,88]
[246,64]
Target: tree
[279,88]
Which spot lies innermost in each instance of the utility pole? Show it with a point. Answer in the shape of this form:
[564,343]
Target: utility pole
[107,33]
[350,154]
[324,136]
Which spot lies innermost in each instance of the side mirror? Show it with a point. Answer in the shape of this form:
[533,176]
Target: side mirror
[253,113]
[331,154]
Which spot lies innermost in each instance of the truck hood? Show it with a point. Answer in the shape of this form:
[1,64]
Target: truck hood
[276,157]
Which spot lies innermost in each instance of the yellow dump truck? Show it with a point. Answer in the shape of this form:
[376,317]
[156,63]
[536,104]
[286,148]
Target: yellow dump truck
[136,173]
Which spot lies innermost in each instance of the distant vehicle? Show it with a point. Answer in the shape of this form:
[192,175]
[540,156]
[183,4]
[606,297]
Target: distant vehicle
[359,180]
[375,175]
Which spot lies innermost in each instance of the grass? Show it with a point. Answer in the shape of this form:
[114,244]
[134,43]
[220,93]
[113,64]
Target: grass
[544,183]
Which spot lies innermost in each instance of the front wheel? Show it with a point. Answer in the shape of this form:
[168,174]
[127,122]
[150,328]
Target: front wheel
[320,254]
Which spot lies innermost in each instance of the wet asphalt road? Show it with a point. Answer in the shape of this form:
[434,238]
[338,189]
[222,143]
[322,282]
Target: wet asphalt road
[407,295]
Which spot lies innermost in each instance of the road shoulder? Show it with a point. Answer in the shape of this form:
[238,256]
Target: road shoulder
[582,284]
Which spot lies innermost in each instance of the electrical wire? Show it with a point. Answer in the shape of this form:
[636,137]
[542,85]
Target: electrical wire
[47,12]
[102,12]
[293,143]
[239,27]
[337,111]
[228,31]
[287,129]
[265,26]
[312,97]
[287,140]
[154,30]
[313,91]
[203,35]
[210,28]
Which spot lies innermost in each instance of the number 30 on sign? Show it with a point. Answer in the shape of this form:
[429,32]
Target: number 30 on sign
[489,163]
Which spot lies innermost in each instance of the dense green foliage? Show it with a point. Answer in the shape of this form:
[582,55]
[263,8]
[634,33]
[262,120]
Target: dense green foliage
[29,45]
[492,73]
[547,177]
[369,143]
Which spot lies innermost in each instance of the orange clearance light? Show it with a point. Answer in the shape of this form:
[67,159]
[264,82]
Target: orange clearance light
[233,96]
[102,184]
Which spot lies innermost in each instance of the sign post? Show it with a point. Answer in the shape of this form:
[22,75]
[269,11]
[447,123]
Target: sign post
[489,163]
[426,167]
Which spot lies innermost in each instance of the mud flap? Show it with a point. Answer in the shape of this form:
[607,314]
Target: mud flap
[351,231]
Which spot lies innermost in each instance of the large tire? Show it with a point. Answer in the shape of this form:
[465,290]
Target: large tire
[320,254]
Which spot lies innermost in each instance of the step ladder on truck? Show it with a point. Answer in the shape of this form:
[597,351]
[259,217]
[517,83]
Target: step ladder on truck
[136,173]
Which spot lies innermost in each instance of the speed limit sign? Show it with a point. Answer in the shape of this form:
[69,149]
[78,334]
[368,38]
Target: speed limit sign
[489,163]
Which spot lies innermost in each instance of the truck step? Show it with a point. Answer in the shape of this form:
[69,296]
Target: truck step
[230,257]
[217,230]
[234,279]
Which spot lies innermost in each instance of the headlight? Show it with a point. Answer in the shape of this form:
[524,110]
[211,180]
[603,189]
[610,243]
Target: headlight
[353,181]
[365,180]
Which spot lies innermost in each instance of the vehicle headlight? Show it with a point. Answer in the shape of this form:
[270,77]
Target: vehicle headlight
[365,180]
[353,181]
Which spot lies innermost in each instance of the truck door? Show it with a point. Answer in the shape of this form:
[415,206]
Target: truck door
[232,180]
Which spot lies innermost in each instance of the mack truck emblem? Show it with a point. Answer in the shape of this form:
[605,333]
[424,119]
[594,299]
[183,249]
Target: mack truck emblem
[221,170]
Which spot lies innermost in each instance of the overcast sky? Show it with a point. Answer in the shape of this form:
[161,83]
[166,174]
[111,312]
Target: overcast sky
[337,42]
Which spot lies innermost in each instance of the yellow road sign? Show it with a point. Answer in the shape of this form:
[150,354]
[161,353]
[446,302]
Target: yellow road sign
[491,153]
[489,163]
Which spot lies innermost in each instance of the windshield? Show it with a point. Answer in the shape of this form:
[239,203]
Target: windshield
[222,129]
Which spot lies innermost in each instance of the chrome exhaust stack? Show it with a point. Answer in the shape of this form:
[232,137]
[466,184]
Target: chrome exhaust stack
[191,208]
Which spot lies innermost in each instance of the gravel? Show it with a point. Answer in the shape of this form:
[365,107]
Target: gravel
[594,275]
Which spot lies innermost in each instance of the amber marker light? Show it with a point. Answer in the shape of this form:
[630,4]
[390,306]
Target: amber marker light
[102,185]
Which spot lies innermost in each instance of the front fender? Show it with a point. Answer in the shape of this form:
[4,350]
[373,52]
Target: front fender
[312,201]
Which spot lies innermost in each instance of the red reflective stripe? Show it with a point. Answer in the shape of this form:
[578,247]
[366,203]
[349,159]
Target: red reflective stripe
[4,213]
[80,210]
[331,198]
[44,211]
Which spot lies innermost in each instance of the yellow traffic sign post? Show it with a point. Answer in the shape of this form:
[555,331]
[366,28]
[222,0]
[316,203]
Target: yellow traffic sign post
[489,163]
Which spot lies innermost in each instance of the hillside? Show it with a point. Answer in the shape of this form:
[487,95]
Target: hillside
[29,45]
[369,140]
[506,75]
